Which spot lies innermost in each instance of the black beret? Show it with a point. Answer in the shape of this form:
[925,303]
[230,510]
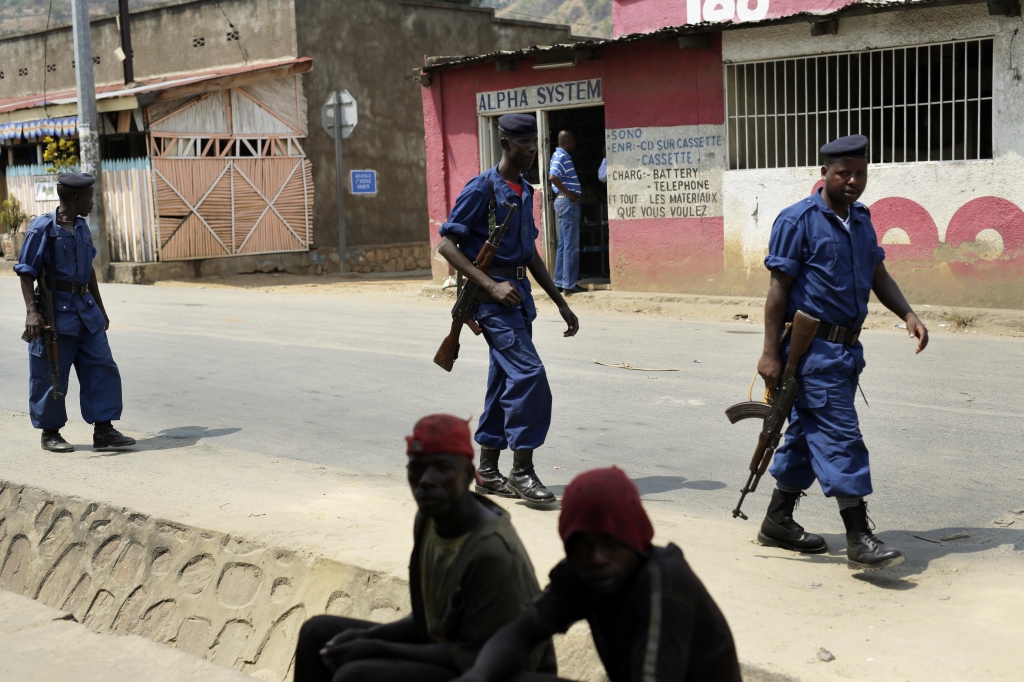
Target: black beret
[520,125]
[851,146]
[76,180]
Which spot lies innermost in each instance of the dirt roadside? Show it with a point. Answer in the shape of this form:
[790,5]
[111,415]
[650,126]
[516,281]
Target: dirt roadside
[41,644]
[940,319]
[951,613]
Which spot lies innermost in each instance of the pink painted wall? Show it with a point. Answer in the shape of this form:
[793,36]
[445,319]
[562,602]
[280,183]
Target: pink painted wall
[644,16]
[643,84]
[960,249]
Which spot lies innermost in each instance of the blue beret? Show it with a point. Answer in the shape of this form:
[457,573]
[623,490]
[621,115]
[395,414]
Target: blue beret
[520,125]
[76,180]
[851,146]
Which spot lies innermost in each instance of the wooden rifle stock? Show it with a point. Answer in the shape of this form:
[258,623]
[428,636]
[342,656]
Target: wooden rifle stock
[802,332]
[448,353]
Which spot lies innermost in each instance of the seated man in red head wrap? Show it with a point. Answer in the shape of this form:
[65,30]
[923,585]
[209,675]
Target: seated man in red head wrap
[469,575]
[650,616]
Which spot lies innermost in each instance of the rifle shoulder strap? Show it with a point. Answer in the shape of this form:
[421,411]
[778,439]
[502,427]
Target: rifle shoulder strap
[492,223]
[492,209]
[51,269]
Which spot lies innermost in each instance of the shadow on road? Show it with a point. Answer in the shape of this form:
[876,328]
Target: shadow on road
[651,485]
[920,552]
[169,439]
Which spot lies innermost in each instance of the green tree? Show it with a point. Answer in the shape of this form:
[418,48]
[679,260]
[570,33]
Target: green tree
[11,215]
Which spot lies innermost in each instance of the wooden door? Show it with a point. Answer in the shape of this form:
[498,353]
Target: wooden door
[216,207]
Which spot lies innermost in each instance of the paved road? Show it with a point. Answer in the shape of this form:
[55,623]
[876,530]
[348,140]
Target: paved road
[341,379]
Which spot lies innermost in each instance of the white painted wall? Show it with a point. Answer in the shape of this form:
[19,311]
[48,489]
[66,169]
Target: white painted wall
[753,198]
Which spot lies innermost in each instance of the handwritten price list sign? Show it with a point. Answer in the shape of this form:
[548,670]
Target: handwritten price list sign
[670,172]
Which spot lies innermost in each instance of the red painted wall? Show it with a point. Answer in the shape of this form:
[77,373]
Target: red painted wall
[643,85]
[644,16]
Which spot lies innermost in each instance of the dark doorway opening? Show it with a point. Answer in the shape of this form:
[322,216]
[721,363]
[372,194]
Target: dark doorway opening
[587,125]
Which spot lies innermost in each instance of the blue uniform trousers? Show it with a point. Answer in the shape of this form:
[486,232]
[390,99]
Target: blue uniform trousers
[98,377]
[823,440]
[517,408]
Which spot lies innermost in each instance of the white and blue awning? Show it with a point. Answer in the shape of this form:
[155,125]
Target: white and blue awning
[40,128]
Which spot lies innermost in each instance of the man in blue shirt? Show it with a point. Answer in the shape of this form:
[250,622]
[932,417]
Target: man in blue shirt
[60,243]
[566,185]
[825,260]
[517,406]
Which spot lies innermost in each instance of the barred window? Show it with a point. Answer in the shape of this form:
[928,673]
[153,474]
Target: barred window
[925,103]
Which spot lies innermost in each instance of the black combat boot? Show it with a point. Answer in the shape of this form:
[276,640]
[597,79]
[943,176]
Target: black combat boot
[54,442]
[863,550]
[104,435]
[780,530]
[523,479]
[491,481]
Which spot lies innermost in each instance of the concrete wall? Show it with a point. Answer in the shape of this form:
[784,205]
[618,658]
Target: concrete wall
[952,230]
[231,601]
[162,39]
[369,47]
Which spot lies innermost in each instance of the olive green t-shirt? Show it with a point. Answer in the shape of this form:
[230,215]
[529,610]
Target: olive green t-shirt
[437,554]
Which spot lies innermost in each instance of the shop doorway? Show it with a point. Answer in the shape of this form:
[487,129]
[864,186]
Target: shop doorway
[587,125]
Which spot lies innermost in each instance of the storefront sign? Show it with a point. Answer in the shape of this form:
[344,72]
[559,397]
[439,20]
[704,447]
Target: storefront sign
[673,172]
[539,97]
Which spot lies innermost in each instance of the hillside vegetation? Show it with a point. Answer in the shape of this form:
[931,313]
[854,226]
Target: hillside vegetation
[587,17]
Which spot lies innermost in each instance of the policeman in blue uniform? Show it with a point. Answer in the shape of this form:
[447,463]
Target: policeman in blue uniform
[517,407]
[60,243]
[825,260]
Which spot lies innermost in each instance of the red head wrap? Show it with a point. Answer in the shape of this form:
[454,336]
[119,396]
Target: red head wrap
[606,501]
[440,434]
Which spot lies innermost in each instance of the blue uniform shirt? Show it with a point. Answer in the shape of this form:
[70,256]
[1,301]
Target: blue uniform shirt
[74,252]
[832,270]
[468,226]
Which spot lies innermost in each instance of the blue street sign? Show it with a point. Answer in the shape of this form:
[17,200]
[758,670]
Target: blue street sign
[363,181]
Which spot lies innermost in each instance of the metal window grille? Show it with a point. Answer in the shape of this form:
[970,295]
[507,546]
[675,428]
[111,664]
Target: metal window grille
[924,103]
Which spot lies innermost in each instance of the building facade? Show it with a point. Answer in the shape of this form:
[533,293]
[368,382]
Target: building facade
[220,134]
[711,121]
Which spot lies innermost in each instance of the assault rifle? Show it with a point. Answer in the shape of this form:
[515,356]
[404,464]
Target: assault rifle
[449,350]
[775,411]
[44,303]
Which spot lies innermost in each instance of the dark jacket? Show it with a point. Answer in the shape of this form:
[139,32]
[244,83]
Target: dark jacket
[661,626]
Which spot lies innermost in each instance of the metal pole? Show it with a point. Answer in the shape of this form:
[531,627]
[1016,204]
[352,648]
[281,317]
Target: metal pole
[340,183]
[126,41]
[88,133]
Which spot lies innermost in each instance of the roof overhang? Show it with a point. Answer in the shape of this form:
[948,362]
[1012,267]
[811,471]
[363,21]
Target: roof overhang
[861,8]
[119,98]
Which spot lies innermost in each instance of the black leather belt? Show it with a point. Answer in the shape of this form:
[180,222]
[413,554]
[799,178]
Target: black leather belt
[71,287]
[509,273]
[837,334]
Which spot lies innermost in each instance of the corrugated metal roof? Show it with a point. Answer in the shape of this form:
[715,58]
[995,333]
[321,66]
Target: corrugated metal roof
[856,9]
[164,87]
